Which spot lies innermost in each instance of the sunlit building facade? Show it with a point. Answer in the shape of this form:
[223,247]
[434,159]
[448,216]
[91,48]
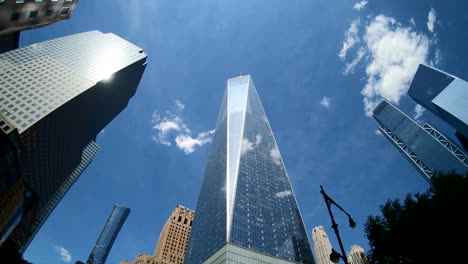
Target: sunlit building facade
[322,245]
[108,235]
[444,95]
[246,211]
[427,149]
[55,97]
[357,255]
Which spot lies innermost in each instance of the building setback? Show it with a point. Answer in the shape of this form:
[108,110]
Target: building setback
[427,149]
[173,239]
[55,97]
[444,95]
[322,245]
[108,235]
[246,210]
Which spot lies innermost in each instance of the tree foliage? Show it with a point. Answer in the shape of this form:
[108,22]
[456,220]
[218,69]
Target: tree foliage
[431,227]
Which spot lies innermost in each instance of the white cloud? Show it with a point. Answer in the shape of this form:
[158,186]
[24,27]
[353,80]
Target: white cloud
[351,38]
[418,112]
[180,106]
[283,194]
[246,146]
[350,66]
[393,54]
[325,102]
[431,20]
[64,254]
[188,144]
[360,5]
[378,133]
[412,22]
[275,155]
[172,127]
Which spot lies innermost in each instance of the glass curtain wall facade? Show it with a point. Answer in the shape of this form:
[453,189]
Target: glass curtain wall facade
[55,97]
[426,148]
[443,94]
[246,198]
[108,235]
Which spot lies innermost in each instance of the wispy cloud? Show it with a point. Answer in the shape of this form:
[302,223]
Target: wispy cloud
[378,133]
[412,22]
[325,102]
[275,156]
[431,20]
[351,38]
[360,5]
[283,194]
[418,112]
[171,127]
[247,145]
[393,53]
[64,254]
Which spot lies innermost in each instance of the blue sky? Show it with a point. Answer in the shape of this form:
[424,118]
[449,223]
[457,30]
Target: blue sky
[318,67]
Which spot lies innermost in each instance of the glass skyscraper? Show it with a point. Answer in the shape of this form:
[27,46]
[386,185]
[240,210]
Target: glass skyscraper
[426,148]
[444,95]
[55,97]
[246,210]
[108,235]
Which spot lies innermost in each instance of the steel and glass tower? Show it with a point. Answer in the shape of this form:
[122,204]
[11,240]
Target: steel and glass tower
[424,146]
[444,95]
[246,210]
[108,235]
[55,97]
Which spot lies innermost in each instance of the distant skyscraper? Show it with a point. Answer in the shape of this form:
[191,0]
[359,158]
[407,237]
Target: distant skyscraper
[357,255]
[322,245]
[17,15]
[55,97]
[426,148]
[108,235]
[443,94]
[246,210]
[173,239]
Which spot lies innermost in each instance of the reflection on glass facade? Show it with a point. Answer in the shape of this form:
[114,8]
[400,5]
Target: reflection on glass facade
[108,235]
[443,94]
[246,197]
[425,147]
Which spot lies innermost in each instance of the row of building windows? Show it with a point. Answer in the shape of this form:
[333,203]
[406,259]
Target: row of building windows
[16,16]
[35,1]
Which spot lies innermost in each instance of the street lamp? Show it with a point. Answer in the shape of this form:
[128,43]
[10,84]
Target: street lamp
[335,256]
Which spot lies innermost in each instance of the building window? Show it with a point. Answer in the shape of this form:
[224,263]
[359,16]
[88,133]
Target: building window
[49,12]
[15,16]
[19,1]
[33,14]
[64,11]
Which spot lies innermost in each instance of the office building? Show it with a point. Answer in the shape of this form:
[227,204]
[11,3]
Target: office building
[357,255]
[444,95]
[55,97]
[428,150]
[173,239]
[18,15]
[246,210]
[322,245]
[108,235]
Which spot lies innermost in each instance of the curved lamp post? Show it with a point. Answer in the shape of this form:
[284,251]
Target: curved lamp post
[335,256]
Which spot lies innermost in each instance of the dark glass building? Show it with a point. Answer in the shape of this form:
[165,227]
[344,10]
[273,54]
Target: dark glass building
[444,95]
[55,97]
[246,211]
[424,146]
[108,235]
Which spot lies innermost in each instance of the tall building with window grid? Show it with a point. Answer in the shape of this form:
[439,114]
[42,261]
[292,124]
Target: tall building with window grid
[322,245]
[18,15]
[55,97]
[246,211]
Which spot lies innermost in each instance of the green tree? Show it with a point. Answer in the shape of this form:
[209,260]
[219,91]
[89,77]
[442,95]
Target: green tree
[431,227]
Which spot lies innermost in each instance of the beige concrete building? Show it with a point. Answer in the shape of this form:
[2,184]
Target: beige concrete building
[322,245]
[357,255]
[173,239]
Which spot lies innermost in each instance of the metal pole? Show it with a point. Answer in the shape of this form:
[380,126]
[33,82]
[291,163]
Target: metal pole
[334,225]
